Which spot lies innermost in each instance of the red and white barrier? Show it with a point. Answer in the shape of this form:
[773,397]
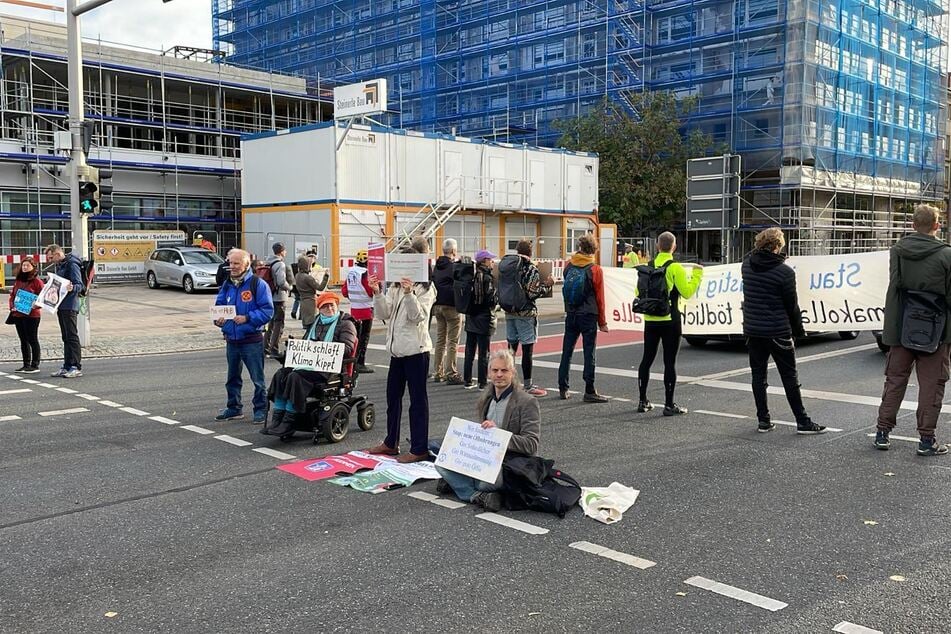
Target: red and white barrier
[16,259]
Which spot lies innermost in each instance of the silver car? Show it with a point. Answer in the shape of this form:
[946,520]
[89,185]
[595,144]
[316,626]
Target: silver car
[189,267]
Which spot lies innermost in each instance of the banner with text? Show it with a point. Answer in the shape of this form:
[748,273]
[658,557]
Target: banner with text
[319,356]
[470,450]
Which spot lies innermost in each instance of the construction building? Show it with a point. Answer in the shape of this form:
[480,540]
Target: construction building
[838,108]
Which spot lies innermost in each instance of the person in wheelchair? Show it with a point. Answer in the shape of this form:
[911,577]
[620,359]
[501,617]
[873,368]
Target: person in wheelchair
[290,387]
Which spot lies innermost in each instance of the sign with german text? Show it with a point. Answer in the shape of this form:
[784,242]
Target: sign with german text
[319,356]
[414,266]
[470,450]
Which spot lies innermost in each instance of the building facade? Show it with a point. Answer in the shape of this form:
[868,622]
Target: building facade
[837,108]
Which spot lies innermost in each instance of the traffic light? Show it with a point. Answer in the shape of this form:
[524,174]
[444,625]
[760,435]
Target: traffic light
[104,195]
[87,195]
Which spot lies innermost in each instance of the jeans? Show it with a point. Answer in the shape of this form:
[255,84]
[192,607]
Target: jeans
[448,326]
[462,485]
[27,328]
[932,370]
[474,341]
[783,352]
[275,329]
[585,326]
[655,334]
[252,356]
[412,371]
[72,351]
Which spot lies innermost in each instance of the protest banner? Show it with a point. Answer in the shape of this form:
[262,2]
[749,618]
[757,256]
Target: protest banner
[388,475]
[835,292]
[53,293]
[415,266]
[376,261]
[24,301]
[319,356]
[223,312]
[334,466]
[470,450]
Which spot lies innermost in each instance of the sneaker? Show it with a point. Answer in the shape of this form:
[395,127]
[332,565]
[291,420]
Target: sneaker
[594,397]
[468,385]
[881,440]
[536,391]
[644,406]
[765,426]
[810,429]
[73,373]
[260,418]
[490,501]
[60,373]
[931,447]
[482,386]
[442,487]
[30,370]
[229,414]
[563,394]
[455,380]
[674,410]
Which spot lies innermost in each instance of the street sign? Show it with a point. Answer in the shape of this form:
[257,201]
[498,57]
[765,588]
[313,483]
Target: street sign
[713,193]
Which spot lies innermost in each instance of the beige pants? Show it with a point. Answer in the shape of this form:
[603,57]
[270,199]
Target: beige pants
[448,325]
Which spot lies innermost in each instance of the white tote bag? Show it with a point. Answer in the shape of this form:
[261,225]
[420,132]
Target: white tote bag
[607,504]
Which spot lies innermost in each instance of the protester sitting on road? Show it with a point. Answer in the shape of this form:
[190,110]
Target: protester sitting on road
[406,307]
[307,287]
[290,387]
[480,320]
[771,322]
[69,267]
[506,406]
[27,324]
[251,298]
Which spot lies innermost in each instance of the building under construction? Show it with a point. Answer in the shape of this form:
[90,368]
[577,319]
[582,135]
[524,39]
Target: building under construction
[838,108]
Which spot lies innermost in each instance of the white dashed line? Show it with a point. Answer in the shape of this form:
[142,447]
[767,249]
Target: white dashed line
[736,593]
[853,628]
[274,453]
[30,381]
[14,377]
[58,412]
[132,410]
[231,440]
[19,391]
[197,430]
[422,495]
[502,520]
[66,390]
[614,555]
[89,397]
[49,385]
[110,403]
[891,437]
[435,499]
[4,419]
[162,419]
[742,417]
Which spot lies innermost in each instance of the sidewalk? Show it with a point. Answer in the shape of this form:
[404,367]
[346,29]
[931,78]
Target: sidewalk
[131,320]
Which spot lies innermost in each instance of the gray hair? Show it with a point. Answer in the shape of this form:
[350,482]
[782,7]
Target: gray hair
[449,246]
[505,355]
[241,253]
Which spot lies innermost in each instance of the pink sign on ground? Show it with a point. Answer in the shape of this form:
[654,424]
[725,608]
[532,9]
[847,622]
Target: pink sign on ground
[333,466]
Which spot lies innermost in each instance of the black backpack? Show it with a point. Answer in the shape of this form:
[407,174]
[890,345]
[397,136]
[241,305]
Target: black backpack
[922,320]
[653,296]
[530,482]
[87,271]
[512,296]
[463,276]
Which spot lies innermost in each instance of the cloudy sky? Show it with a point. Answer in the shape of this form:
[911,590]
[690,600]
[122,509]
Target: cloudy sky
[147,23]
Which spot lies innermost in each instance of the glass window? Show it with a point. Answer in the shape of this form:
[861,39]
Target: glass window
[202,257]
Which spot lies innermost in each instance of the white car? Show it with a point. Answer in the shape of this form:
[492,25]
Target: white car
[192,268]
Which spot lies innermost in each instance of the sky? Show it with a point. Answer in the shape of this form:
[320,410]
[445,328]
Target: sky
[149,24]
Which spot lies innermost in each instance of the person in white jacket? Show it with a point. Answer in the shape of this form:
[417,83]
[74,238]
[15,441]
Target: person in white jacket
[405,308]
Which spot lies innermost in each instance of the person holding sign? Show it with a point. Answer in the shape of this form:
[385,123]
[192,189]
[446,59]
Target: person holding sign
[290,386]
[26,319]
[505,406]
[70,268]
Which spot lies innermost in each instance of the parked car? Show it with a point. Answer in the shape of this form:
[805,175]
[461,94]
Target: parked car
[192,268]
[698,341]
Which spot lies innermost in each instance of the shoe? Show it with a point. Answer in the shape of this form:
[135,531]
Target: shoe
[489,500]
[73,373]
[881,440]
[385,450]
[276,419]
[30,370]
[293,315]
[60,373]
[285,429]
[644,406]
[442,487]
[22,368]
[412,457]
[594,397]
[482,386]
[469,385]
[364,369]
[260,418]
[765,426]
[229,414]
[536,391]
[563,394]
[455,380]
[931,447]
[674,410]
[810,429]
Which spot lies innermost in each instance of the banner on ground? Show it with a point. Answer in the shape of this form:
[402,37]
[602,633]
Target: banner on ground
[470,450]
[334,466]
[319,356]
[836,292]
[388,475]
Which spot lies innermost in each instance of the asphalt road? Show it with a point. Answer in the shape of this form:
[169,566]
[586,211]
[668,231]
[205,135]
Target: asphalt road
[111,520]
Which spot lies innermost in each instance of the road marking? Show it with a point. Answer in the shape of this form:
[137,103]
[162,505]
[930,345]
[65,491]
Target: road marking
[905,438]
[4,419]
[46,385]
[736,593]
[422,495]
[57,412]
[30,381]
[741,416]
[88,397]
[19,391]
[274,453]
[231,440]
[110,403]
[853,628]
[502,520]
[614,555]
[799,360]
[14,377]
[66,390]
[162,419]
[630,374]
[197,430]
[132,410]
[435,499]
[3,373]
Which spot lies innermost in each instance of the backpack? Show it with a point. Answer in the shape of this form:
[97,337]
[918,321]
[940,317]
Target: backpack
[653,296]
[223,273]
[575,288]
[922,321]
[512,296]
[530,482]
[266,273]
[463,277]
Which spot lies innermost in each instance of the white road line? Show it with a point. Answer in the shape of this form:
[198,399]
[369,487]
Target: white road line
[30,381]
[274,453]
[853,628]
[14,377]
[162,419]
[799,360]
[57,412]
[435,499]
[3,373]
[604,347]
[4,419]
[19,391]
[110,403]
[502,520]
[630,374]
[231,440]
[422,495]
[197,430]
[891,437]
[88,397]
[46,385]
[736,593]
[66,390]
[614,555]
[132,410]
[741,416]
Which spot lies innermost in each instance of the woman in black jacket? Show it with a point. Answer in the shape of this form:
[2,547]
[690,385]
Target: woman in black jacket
[480,320]
[771,322]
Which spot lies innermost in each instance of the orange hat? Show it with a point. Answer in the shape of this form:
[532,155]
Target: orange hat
[327,297]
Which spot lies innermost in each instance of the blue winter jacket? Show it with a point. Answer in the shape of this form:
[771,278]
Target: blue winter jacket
[252,298]
[71,268]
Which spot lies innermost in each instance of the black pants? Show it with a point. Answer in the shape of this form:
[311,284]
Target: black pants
[294,386]
[27,328]
[412,371]
[272,338]
[473,342]
[783,352]
[655,334]
[582,325]
[72,351]
[364,326]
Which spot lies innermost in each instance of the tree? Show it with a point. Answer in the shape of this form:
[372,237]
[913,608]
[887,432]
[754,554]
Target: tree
[643,159]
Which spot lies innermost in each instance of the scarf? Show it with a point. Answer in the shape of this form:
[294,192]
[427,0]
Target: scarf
[331,322]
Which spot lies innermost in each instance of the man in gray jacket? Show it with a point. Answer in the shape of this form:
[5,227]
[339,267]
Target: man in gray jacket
[918,262]
[282,287]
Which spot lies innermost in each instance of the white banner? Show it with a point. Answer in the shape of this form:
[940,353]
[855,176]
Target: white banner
[836,292]
[470,450]
[319,356]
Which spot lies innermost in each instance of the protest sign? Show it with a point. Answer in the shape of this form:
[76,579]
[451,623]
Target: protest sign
[376,261]
[334,466]
[24,300]
[387,476]
[319,356]
[223,312]
[415,266]
[53,293]
[470,450]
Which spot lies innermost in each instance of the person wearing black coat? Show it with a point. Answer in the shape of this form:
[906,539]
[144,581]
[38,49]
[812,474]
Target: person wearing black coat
[480,320]
[771,322]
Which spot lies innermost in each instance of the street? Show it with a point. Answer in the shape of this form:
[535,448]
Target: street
[126,507]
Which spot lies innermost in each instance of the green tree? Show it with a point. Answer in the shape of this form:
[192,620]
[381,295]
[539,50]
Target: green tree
[642,159]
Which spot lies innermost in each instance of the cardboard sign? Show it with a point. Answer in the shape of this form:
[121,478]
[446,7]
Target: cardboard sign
[376,261]
[53,293]
[24,300]
[470,450]
[415,266]
[319,356]
[223,312]
[334,466]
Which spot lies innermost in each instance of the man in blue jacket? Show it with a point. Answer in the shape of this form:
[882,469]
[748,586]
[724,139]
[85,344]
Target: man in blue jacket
[251,298]
[69,267]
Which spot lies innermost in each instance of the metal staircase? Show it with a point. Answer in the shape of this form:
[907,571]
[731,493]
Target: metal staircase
[424,224]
